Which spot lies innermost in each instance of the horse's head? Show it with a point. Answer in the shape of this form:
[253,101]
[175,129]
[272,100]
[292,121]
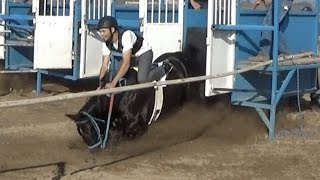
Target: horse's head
[91,120]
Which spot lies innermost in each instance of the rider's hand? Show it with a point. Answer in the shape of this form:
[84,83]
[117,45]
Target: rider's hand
[257,3]
[109,85]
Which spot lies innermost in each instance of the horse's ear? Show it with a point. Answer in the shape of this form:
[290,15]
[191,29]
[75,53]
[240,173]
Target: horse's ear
[72,116]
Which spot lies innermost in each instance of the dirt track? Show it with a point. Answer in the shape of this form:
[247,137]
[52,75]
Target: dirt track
[200,141]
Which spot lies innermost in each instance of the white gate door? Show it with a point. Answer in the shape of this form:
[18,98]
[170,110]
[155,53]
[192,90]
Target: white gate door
[53,34]
[162,24]
[91,42]
[220,45]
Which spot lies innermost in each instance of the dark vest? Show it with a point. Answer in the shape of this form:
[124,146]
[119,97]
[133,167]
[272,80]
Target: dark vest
[137,45]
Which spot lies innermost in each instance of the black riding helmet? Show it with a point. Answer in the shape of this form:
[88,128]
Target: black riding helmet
[107,22]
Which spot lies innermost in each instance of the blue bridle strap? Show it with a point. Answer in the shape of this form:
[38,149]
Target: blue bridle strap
[96,127]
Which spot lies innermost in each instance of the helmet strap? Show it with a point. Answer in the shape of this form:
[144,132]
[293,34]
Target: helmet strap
[110,40]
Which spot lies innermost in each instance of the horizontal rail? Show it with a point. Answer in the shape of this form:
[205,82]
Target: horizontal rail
[18,71]
[126,88]
[138,86]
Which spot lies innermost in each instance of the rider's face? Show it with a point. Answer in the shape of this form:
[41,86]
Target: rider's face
[106,33]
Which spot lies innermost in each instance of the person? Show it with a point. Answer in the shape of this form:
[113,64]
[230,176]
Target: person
[266,36]
[199,4]
[130,44]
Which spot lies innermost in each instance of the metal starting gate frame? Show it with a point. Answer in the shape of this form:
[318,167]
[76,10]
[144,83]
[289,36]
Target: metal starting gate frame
[58,38]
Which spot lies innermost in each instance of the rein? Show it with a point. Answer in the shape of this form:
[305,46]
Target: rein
[93,120]
[102,141]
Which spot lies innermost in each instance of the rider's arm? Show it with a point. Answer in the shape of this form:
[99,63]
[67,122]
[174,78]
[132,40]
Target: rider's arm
[104,68]
[124,66]
[128,40]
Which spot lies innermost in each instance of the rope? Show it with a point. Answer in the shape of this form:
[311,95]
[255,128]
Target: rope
[96,127]
[298,88]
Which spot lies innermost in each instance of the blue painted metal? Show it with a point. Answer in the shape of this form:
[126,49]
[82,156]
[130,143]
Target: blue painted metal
[193,19]
[243,27]
[264,87]
[284,85]
[274,87]
[17,20]
[39,83]
[263,117]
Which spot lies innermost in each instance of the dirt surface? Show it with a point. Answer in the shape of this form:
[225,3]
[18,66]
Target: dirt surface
[201,141]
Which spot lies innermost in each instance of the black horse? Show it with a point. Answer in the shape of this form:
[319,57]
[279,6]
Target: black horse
[132,110]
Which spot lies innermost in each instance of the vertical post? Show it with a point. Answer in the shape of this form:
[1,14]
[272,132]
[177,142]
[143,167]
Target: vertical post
[159,11]
[39,83]
[83,34]
[51,7]
[152,10]
[276,4]
[166,12]
[57,8]
[99,6]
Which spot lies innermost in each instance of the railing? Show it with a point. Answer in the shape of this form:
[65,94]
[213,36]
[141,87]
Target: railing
[163,11]
[224,12]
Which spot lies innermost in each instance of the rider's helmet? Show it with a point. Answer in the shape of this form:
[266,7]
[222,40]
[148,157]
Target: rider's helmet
[107,22]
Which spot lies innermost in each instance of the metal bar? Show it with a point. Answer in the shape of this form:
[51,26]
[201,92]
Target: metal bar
[243,27]
[89,8]
[109,7]
[173,11]
[57,8]
[180,15]
[44,8]
[3,6]
[263,117]
[64,8]
[83,29]
[275,49]
[94,9]
[229,12]
[51,7]
[21,26]
[272,122]
[103,7]
[166,13]
[57,74]
[99,6]
[219,12]
[224,12]
[215,12]
[284,85]
[39,83]
[152,11]
[159,11]
[15,17]
[253,104]
[18,71]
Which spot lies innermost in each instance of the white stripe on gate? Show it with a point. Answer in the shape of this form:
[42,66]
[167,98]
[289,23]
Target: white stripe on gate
[98,8]
[223,12]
